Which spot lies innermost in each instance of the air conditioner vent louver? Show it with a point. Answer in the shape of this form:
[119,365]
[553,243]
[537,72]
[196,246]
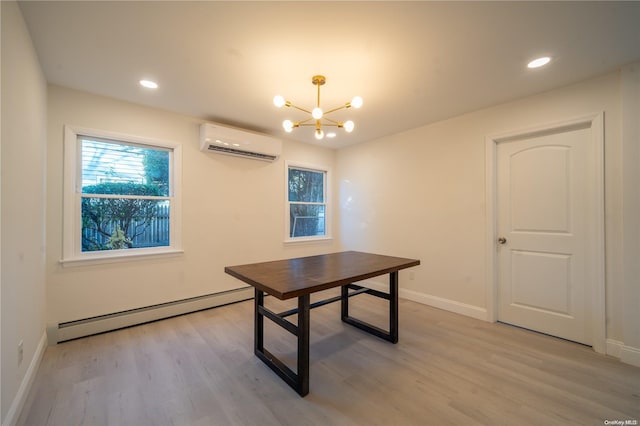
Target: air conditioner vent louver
[237,142]
[224,149]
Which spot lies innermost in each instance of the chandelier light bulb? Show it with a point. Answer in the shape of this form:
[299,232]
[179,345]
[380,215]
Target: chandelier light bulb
[319,134]
[278,101]
[356,102]
[348,126]
[287,125]
[317,113]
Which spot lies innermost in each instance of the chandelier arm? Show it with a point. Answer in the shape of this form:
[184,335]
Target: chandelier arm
[303,122]
[332,122]
[322,124]
[337,109]
[301,109]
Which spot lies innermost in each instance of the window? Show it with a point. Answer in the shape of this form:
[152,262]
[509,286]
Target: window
[120,196]
[307,208]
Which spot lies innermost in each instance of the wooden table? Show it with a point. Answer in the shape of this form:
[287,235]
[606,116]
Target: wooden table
[286,279]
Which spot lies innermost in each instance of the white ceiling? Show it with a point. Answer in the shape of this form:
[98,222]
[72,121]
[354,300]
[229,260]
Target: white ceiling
[413,62]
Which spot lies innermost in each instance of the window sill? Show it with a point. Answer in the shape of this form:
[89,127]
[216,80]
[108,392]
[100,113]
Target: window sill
[302,240]
[119,256]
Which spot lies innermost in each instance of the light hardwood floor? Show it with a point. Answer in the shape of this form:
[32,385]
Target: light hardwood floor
[199,369]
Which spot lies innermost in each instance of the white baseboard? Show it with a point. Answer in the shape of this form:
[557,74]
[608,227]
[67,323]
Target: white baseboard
[25,386]
[437,302]
[627,354]
[446,304]
[630,355]
[81,328]
[614,348]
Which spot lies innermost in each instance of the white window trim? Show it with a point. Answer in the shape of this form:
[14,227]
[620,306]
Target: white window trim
[72,254]
[327,198]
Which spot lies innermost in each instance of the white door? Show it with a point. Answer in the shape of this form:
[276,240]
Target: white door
[545,225]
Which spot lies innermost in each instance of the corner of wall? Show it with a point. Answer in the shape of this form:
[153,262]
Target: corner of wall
[25,385]
[22,279]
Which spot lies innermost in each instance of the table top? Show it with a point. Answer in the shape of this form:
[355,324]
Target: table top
[290,278]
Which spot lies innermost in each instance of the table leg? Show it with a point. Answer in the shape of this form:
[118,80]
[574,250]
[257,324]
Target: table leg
[392,334]
[303,344]
[258,327]
[344,302]
[298,380]
[393,307]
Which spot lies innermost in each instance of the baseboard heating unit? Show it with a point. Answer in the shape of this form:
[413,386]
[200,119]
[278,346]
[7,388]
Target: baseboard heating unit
[57,333]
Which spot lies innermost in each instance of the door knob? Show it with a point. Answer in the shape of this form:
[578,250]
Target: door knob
[502,240]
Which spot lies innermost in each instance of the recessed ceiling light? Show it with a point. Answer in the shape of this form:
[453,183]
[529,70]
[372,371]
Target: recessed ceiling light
[536,63]
[331,135]
[149,84]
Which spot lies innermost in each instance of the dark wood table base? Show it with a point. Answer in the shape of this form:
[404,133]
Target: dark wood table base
[299,380]
[302,276]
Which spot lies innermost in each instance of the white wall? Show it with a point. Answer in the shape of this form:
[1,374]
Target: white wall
[421,194]
[23,210]
[233,212]
[630,351]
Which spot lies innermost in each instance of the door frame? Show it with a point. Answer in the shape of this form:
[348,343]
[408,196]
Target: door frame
[596,295]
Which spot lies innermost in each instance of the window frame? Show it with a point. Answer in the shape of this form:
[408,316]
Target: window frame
[72,253]
[327,202]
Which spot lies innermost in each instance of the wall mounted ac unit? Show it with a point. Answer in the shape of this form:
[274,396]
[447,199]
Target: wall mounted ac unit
[240,143]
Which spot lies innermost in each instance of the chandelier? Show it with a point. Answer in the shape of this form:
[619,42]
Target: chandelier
[318,117]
